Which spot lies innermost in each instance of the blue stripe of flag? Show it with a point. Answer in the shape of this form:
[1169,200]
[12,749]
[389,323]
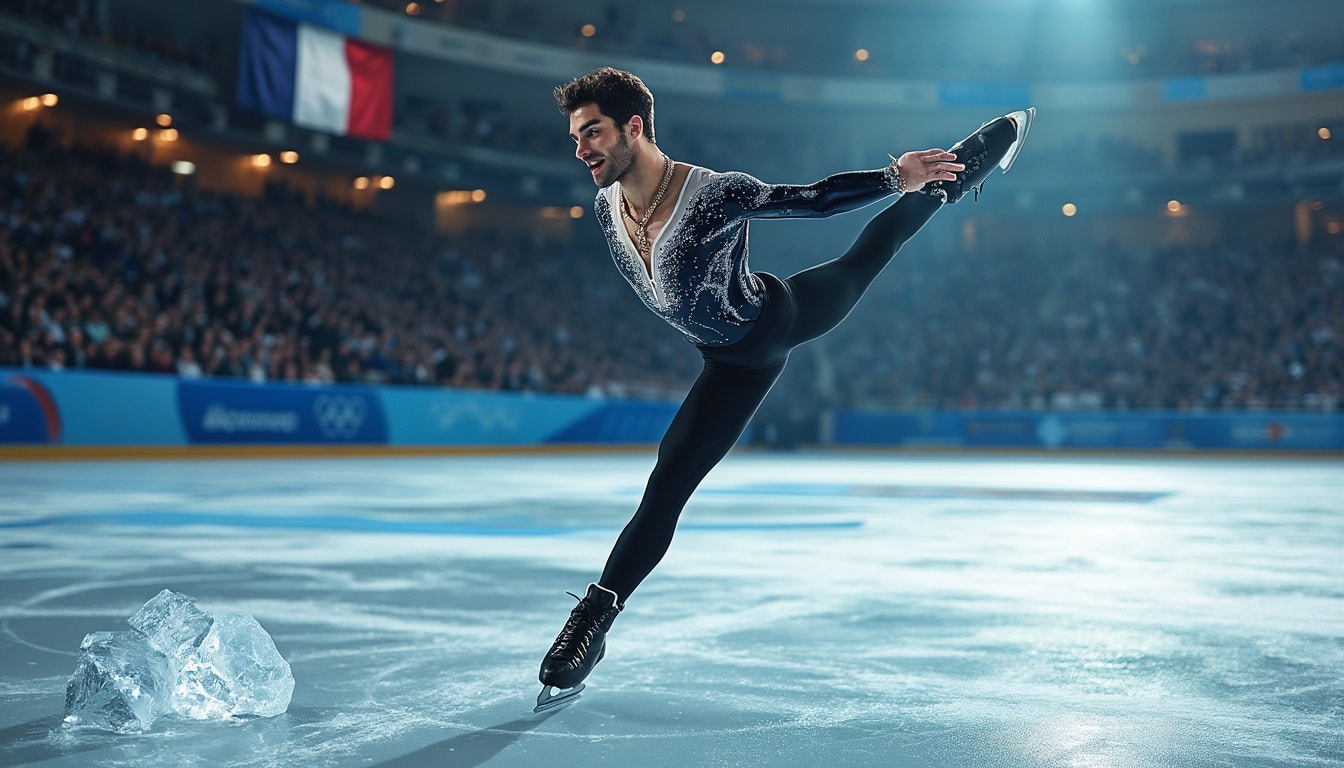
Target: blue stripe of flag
[268,59]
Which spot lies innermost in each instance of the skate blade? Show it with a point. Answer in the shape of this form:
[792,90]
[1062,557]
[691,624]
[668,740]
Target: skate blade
[547,701]
[1024,119]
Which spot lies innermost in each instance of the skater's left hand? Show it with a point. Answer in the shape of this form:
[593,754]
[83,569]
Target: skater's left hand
[920,168]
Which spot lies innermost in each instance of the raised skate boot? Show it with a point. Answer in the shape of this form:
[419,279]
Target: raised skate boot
[578,648]
[996,143]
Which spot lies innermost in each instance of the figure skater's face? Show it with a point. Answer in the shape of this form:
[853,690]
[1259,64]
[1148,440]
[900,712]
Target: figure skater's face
[600,144]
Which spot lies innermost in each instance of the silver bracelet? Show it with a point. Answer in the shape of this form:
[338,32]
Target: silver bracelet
[894,177]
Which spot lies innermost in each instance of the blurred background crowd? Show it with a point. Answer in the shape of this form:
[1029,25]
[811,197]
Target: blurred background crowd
[110,261]
[107,262]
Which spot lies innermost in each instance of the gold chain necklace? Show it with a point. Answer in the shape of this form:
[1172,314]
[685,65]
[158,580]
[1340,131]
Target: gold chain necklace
[642,226]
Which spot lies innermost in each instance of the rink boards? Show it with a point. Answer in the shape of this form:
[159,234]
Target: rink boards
[107,410]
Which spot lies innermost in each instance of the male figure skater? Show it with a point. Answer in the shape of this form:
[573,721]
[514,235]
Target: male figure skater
[679,235]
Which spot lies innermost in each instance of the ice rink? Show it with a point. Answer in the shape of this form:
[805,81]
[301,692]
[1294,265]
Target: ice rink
[815,610]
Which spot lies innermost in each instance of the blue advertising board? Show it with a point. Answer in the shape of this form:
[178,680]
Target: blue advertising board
[27,412]
[1152,430]
[455,417]
[213,413]
[100,408]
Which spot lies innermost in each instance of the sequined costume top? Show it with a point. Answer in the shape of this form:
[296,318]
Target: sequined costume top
[699,280]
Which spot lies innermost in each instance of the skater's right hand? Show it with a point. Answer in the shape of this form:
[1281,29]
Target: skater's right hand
[920,168]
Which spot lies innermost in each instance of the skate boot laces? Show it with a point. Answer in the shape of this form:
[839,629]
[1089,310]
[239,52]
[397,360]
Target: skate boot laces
[576,639]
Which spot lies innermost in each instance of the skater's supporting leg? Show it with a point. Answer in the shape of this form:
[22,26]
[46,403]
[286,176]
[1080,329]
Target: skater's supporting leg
[708,424]
[826,293]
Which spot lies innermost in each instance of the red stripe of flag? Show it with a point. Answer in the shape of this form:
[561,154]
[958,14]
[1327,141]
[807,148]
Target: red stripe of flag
[370,90]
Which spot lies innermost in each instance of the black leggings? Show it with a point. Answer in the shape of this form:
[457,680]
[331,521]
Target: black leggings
[737,377]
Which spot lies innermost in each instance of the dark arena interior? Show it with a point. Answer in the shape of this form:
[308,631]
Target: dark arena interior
[311,310]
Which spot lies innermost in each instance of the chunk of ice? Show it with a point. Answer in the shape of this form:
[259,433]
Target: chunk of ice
[235,671]
[178,660]
[120,683]
[172,622]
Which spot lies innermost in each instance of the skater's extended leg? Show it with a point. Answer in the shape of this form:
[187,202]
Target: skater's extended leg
[826,293]
[708,424]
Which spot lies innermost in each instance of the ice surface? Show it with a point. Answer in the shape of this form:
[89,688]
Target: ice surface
[977,626]
[120,683]
[235,671]
[171,622]
[178,660]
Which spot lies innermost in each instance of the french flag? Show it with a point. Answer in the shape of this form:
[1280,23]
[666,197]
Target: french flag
[315,77]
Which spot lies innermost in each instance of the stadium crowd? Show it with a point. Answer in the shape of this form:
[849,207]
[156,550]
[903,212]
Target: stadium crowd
[1226,325]
[107,262]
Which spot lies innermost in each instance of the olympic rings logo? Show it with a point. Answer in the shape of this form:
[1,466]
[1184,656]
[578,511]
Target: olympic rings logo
[339,417]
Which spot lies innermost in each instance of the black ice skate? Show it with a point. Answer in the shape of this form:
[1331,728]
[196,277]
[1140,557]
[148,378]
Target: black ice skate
[578,648]
[997,142]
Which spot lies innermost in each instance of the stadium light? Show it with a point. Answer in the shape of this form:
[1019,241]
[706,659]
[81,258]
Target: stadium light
[140,134]
[289,157]
[460,197]
[412,9]
[50,99]
[164,120]
[168,134]
[184,167]
[861,54]
[716,57]
[1070,210]
[262,160]
[1324,133]
[576,212]
[386,182]
[588,30]
[31,103]
[361,182]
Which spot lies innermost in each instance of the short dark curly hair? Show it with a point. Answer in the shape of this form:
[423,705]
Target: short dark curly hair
[619,94]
